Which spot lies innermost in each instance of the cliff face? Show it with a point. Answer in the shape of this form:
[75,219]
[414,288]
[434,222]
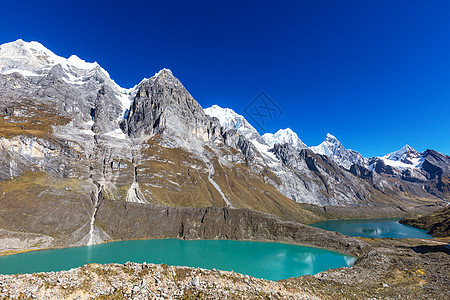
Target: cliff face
[72,141]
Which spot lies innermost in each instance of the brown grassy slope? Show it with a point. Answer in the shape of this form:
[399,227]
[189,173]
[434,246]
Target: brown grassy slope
[173,177]
[36,202]
[28,118]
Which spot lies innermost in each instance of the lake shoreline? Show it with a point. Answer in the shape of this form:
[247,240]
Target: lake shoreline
[409,268]
[268,260]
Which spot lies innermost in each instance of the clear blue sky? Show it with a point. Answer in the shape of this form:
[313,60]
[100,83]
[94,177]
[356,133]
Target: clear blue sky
[376,74]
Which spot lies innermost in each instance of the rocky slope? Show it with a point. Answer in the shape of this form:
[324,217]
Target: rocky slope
[144,281]
[437,223]
[75,146]
[388,269]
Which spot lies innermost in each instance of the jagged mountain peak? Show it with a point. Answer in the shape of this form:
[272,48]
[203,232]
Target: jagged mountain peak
[334,149]
[401,160]
[38,64]
[26,56]
[329,146]
[164,72]
[284,136]
[229,119]
[405,154]
[20,56]
[162,105]
[331,138]
[163,76]
[34,59]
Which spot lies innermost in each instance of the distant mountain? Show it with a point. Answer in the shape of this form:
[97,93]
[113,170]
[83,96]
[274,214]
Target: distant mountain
[332,148]
[411,165]
[284,136]
[228,119]
[76,148]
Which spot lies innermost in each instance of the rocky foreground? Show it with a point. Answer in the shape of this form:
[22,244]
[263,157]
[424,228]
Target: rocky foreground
[389,269]
[145,281]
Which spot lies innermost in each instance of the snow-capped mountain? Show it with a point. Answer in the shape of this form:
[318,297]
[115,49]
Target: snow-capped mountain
[229,119]
[411,165]
[284,136]
[405,158]
[62,126]
[333,148]
[32,59]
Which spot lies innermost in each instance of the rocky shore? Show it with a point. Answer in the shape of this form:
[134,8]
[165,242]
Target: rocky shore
[144,281]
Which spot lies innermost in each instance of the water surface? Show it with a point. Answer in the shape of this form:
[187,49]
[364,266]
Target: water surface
[272,261]
[374,228]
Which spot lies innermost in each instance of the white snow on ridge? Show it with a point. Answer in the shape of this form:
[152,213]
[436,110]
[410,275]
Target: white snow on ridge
[328,146]
[264,150]
[405,153]
[33,59]
[283,136]
[77,62]
[32,56]
[25,73]
[229,119]
[401,165]
[406,157]
[333,148]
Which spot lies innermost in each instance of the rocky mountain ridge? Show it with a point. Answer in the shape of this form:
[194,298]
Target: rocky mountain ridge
[73,142]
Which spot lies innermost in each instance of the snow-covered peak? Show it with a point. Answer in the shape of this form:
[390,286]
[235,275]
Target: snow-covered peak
[328,147]
[333,148]
[33,56]
[405,158]
[33,59]
[25,56]
[284,136]
[405,154]
[331,138]
[229,119]
[77,62]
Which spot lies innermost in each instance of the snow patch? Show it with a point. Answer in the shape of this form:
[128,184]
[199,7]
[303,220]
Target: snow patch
[25,73]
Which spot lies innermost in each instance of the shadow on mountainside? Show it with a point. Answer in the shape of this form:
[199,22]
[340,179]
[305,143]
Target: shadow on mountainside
[427,249]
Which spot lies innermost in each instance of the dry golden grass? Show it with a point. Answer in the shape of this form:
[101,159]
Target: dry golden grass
[169,178]
[35,120]
[173,177]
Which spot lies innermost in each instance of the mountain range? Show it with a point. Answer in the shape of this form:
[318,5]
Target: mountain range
[80,155]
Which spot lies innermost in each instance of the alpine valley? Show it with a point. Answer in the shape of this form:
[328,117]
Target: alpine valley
[83,161]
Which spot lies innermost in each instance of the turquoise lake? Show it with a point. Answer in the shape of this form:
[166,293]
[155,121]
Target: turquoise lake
[374,228]
[273,261]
